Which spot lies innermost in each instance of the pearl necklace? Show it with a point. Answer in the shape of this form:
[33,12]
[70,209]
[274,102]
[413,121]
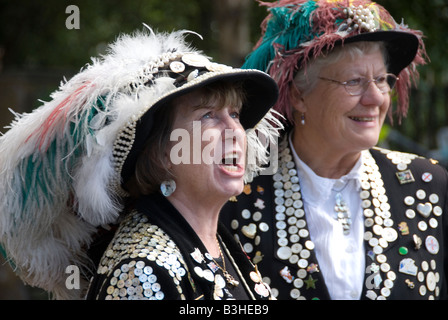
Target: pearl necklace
[291,224]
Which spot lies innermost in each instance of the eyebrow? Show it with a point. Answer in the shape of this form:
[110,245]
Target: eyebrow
[207,107]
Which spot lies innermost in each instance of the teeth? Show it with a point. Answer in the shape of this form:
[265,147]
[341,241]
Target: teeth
[363,119]
[232,168]
[230,158]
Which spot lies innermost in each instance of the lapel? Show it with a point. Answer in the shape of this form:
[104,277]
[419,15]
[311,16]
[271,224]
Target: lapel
[293,247]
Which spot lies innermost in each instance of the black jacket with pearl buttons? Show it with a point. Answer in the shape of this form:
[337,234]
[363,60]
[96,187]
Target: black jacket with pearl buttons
[155,254]
[413,263]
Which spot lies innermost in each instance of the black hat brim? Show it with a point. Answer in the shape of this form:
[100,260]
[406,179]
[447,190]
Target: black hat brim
[402,47]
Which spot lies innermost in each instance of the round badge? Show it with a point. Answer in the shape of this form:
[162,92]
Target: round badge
[433,223]
[410,213]
[264,227]
[217,67]
[295,293]
[422,290]
[199,271]
[208,275]
[420,194]
[219,281]
[431,281]
[437,211]
[309,245]
[284,253]
[409,200]
[390,234]
[432,245]
[422,226]
[177,66]
[195,60]
[255,277]
[434,198]
[427,177]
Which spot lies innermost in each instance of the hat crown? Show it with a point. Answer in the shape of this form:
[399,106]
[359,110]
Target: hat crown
[300,25]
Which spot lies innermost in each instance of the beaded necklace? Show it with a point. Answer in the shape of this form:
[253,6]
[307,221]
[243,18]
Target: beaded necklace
[293,238]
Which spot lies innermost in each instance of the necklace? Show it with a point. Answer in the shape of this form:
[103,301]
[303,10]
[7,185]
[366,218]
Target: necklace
[229,278]
[293,237]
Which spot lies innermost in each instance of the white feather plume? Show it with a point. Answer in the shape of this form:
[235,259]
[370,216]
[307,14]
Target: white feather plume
[56,162]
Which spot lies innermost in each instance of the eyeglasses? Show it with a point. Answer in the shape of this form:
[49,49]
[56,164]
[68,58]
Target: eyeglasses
[356,87]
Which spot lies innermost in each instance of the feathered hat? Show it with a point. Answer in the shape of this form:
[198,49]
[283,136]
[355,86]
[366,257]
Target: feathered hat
[62,166]
[297,31]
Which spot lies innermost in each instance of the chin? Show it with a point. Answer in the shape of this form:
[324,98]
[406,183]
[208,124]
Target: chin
[366,142]
[233,189]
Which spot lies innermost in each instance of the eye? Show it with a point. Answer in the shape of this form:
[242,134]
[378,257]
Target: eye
[353,82]
[235,115]
[381,79]
[207,115]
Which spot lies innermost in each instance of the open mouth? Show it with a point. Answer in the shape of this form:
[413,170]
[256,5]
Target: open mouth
[230,162]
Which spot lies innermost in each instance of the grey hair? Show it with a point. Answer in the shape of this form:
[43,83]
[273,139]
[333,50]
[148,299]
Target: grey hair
[306,79]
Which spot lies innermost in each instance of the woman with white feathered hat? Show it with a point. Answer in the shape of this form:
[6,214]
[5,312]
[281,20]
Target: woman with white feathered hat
[102,152]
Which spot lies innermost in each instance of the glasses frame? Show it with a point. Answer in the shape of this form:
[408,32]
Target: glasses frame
[366,83]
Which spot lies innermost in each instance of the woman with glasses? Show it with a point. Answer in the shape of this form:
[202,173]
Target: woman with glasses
[342,218]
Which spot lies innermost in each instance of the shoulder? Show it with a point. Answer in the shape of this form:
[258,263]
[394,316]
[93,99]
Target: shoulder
[413,181]
[141,262]
[428,169]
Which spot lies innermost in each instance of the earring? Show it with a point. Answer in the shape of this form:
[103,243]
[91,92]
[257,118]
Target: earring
[302,119]
[167,187]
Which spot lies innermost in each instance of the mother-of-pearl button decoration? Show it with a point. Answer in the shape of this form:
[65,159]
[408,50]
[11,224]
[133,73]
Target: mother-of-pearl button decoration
[291,223]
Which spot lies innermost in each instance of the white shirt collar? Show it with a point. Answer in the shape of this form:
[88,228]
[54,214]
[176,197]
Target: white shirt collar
[315,188]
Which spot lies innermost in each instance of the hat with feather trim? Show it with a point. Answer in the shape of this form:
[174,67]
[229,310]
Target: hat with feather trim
[62,166]
[297,31]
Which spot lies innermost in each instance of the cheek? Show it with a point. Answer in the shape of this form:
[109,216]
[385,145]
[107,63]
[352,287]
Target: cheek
[325,106]
[384,109]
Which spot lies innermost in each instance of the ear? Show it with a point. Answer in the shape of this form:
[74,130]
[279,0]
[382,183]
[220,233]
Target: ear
[168,163]
[296,99]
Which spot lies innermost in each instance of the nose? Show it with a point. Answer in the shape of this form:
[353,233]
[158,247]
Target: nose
[233,131]
[373,96]
[230,120]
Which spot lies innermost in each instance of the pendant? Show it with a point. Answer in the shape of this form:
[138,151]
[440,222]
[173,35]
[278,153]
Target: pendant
[230,279]
[343,213]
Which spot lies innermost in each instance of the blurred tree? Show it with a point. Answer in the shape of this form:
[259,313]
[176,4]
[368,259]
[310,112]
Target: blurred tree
[428,111]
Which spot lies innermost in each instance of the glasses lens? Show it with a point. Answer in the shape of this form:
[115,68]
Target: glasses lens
[356,86]
[384,83]
[391,80]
